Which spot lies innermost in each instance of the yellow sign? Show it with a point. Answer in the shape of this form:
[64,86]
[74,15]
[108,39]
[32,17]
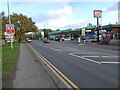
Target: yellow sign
[83,32]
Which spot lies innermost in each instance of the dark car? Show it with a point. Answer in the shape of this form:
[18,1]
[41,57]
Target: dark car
[46,41]
[57,39]
[7,40]
[24,41]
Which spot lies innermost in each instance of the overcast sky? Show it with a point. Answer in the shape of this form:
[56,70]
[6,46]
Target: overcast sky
[62,14]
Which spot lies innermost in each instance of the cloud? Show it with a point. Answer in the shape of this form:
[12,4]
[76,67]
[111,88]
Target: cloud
[114,7]
[61,18]
[56,18]
[36,0]
[113,13]
[112,10]
[55,14]
[60,0]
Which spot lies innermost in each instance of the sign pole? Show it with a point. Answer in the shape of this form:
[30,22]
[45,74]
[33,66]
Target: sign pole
[8,11]
[9,22]
[11,42]
[97,29]
[97,14]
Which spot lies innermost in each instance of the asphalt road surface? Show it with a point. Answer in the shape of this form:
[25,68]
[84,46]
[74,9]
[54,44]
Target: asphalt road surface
[86,67]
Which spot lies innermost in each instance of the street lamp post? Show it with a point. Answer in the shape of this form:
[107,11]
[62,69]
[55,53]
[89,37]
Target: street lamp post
[9,21]
[8,11]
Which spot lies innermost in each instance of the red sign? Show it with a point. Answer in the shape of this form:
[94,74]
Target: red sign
[8,36]
[10,29]
[97,13]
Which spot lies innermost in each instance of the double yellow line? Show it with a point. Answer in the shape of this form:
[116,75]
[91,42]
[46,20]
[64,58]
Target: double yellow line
[55,70]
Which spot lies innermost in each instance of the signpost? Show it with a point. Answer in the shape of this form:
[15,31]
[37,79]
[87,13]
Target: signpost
[10,31]
[97,14]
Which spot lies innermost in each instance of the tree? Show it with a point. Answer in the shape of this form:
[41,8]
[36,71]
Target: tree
[89,24]
[58,30]
[4,22]
[22,25]
[46,31]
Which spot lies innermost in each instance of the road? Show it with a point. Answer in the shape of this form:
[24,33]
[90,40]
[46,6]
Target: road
[85,66]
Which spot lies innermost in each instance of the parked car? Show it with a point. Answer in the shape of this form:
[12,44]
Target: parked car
[8,40]
[46,41]
[57,39]
[62,39]
[24,41]
[67,39]
[28,40]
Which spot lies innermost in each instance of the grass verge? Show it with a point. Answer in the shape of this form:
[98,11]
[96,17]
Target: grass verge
[9,59]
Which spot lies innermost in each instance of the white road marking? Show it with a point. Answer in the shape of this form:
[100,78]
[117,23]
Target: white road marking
[85,58]
[90,56]
[110,56]
[110,62]
[102,56]
[101,62]
[56,49]
[80,44]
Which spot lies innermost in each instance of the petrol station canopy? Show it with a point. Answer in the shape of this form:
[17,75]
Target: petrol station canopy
[72,30]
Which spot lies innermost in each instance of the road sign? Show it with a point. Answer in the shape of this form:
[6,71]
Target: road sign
[6,34]
[10,29]
[97,13]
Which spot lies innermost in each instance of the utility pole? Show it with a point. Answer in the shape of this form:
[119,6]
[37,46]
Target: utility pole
[9,21]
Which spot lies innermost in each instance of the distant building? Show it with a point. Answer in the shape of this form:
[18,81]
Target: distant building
[115,28]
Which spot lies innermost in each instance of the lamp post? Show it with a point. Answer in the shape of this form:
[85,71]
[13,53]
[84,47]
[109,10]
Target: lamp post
[8,11]
[9,22]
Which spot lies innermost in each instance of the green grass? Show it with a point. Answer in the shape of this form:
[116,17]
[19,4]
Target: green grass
[0,66]
[9,58]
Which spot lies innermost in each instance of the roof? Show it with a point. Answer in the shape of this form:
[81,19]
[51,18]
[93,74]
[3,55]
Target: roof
[67,30]
[112,26]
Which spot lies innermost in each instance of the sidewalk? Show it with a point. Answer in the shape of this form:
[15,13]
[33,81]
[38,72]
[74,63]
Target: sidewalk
[30,73]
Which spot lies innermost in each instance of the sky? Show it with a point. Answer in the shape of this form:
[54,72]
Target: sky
[64,14]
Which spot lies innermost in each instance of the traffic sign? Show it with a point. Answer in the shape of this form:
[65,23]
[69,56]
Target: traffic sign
[5,33]
[10,29]
[97,13]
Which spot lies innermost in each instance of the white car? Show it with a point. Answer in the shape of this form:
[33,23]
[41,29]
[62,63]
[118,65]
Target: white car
[67,39]
[29,40]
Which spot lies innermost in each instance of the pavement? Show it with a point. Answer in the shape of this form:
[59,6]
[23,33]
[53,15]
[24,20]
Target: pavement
[30,72]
